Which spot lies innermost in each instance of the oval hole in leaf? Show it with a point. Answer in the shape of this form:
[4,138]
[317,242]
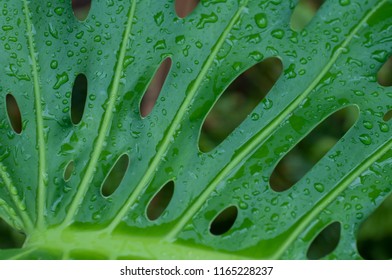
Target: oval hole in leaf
[384,76]
[387,116]
[300,160]
[224,221]
[185,7]
[238,101]
[13,112]
[115,176]
[155,87]
[325,242]
[81,8]
[160,201]
[374,240]
[9,237]
[78,99]
[68,171]
[304,13]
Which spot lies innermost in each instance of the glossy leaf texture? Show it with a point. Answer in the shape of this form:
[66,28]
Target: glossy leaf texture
[330,64]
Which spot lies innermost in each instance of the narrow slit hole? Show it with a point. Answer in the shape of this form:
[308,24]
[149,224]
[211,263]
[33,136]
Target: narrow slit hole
[303,13]
[150,97]
[384,76]
[224,221]
[14,114]
[185,7]
[115,176]
[78,99]
[81,8]
[325,242]
[301,159]
[68,171]
[387,116]
[238,101]
[160,201]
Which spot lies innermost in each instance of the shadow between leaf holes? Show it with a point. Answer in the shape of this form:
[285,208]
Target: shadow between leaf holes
[185,7]
[325,242]
[384,76]
[303,13]
[9,237]
[13,113]
[160,201]
[301,159]
[78,98]
[115,176]
[81,8]
[154,89]
[224,221]
[374,238]
[238,101]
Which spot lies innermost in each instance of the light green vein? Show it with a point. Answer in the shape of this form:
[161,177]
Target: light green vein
[105,124]
[42,174]
[13,192]
[330,197]
[259,138]
[176,122]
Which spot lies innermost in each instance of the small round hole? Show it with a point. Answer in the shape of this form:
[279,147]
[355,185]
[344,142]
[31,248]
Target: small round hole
[185,7]
[161,200]
[81,8]
[224,221]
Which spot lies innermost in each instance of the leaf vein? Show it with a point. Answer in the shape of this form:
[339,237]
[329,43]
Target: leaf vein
[42,174]
[5,176]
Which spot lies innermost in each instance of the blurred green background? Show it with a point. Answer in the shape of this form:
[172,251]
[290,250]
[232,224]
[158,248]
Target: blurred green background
[375,235]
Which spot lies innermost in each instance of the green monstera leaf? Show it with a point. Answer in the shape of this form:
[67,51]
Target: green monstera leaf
[55,165]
